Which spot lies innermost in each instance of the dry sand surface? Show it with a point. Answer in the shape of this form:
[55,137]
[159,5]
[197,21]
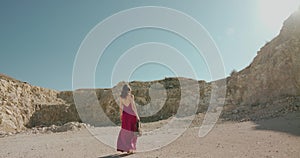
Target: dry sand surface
[277,137]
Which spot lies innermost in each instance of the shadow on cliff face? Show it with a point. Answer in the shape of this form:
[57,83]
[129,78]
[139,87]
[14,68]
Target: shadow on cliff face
[46,115]
[289,124]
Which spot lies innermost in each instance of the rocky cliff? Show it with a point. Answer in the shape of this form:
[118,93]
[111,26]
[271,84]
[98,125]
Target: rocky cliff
[274,72]
[23,105]
[268,87]
[155,100]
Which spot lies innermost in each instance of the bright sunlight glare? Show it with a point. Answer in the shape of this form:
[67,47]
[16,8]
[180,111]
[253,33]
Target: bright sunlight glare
[274,12]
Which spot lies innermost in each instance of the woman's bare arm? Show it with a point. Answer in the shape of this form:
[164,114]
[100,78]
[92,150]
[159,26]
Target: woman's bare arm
[121,109]
[134,107]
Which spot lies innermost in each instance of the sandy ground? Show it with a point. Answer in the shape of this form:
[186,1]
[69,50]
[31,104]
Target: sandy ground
[278,137]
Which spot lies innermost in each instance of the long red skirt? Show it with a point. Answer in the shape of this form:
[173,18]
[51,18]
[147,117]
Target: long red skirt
[127,139]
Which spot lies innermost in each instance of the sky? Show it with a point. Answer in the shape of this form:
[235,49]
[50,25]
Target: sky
[40,40]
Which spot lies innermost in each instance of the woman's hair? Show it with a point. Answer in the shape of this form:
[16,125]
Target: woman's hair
[125,91]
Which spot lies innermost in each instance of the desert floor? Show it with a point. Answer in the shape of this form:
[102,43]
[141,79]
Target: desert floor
[277,137]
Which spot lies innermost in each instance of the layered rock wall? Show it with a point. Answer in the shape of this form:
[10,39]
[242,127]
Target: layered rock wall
[21,105]
[274,72]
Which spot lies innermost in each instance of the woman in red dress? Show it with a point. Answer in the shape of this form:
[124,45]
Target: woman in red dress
[129,117]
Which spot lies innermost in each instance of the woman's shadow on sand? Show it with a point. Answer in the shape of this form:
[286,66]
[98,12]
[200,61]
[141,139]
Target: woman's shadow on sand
[115,155]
